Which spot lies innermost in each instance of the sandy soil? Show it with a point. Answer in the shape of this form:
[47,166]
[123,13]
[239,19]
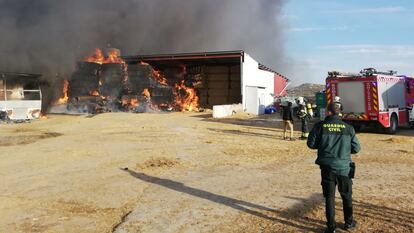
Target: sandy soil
[185,172]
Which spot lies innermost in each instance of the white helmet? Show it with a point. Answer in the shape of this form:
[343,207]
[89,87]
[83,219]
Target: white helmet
[337,99]
[300,100]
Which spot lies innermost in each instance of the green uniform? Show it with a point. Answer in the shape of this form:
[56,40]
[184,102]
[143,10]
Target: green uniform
[335,141]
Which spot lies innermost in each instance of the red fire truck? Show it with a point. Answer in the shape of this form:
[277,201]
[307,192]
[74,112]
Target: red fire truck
[373,98]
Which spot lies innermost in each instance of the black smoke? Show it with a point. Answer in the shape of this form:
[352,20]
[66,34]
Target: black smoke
[49,36]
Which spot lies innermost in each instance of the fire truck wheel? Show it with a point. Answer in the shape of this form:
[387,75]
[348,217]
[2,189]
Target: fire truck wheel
[393,125]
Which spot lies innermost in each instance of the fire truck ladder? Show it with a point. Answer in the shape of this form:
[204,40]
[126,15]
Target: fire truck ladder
[365,72]
[372,71]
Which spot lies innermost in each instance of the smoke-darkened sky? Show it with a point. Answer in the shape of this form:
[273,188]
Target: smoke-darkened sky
[49,36]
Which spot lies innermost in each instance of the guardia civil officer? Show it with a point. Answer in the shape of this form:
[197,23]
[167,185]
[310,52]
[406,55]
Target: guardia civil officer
[335,141]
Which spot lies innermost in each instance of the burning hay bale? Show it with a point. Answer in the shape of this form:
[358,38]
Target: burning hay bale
[111,79]
[106,84]
[143,85]
[85,80]
[139,78]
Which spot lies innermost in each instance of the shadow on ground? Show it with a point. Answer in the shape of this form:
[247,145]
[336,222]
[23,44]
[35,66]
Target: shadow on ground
[244,133]
[300,216]
[388,218]
[265,122]
[292,217]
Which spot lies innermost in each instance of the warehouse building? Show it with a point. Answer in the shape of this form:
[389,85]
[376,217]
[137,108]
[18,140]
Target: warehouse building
[223,78]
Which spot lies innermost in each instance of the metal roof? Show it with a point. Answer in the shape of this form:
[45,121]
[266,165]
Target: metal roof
[214,58]
[178,59]
[263,67]
[186,56]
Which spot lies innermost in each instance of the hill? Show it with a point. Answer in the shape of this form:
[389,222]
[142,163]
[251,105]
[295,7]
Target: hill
[307,90]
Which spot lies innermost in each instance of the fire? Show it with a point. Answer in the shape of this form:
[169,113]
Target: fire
[148,102]
[65,97]
[134,102]
[159,78]
[186,98]
[43,115]
[98,57]
[157,75]
[169,96]
[113,57]
[130,103]
[146,93]
[94,93]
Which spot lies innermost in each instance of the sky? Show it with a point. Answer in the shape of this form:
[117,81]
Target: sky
[347,36]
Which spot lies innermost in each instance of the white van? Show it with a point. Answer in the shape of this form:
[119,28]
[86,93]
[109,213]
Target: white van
[20,96]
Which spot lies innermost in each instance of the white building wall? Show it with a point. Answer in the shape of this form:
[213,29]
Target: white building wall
[263,80]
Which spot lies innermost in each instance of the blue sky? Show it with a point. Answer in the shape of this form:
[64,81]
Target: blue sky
[348,35]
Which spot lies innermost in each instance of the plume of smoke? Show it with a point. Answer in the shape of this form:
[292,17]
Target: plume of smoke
[49,36]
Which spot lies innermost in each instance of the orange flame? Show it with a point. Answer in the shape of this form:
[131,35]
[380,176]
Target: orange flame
[113,57]
[134,102]
[159,78]
[98,57]
[43,115]
[65,97]
[130,103]
[157,75]
[146,93]
[187,101]
[94,93]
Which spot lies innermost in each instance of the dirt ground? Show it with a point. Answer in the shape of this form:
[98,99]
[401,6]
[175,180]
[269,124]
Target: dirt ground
[185,172]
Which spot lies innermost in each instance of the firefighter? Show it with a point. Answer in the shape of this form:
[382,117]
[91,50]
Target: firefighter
[335,141]
[304,115]
[337,100]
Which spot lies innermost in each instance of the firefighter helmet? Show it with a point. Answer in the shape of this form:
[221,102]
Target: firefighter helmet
[337,99]
[300,100]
